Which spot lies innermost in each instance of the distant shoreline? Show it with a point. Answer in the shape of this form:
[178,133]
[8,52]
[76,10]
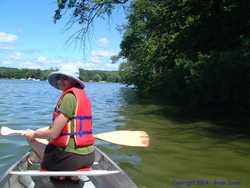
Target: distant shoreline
[38,74]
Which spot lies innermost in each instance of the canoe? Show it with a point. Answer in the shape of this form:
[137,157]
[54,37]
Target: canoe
[105,173]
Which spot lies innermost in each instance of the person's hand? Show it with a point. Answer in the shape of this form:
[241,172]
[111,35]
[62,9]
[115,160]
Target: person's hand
[29,134]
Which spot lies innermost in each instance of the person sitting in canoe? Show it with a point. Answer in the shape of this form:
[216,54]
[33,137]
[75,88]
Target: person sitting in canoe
[70,146]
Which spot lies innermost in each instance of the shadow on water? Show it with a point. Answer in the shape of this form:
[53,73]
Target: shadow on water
[184,145]
[223,124]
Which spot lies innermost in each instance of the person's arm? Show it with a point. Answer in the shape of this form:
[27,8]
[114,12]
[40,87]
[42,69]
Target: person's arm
[43,128]
[66,109]
[46,132]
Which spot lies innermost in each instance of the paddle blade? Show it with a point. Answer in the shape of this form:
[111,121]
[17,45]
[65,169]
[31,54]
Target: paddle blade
[126,138]
[4,131]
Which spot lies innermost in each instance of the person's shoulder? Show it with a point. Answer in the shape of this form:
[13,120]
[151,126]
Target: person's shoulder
[69,96]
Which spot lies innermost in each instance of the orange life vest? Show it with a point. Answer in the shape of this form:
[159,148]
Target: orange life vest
[82,118]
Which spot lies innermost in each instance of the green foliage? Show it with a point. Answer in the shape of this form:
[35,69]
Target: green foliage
[186,51]
[85,75]
[96,75]
[24,73]
[191,52]
[84,12]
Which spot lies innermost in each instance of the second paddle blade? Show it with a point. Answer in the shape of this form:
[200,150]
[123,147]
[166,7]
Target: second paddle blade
[127,138]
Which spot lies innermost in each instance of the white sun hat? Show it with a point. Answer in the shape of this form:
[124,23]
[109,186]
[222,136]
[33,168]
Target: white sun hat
[69,71]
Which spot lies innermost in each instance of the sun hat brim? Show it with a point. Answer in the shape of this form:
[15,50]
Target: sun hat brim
[55,76]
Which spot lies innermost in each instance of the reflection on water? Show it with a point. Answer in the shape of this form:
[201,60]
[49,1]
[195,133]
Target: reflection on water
[181,149]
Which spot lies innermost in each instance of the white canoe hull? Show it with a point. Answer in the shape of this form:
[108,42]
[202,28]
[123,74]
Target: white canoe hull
[105,174]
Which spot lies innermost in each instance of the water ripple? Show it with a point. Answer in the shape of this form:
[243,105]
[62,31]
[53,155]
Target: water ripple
[28,105]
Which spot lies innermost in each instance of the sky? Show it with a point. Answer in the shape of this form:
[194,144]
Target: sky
[30,39]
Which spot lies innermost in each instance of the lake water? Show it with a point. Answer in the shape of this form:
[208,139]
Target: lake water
[183,152]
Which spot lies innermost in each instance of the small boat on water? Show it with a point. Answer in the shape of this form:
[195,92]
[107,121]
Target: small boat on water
[105,173]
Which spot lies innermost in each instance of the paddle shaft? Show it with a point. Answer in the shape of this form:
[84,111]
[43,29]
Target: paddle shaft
[126,138]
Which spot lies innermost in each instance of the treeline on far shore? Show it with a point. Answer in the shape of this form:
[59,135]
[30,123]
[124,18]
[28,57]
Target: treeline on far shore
[85,75]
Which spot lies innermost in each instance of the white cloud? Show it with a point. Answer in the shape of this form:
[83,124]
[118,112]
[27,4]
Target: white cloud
[16,56]
[95,59]
[102,53]
[7,46]
[5,63]
[98,60]
[6,37]
[29,64]
[103,66]
[57,64]
[42,59]
[103,42]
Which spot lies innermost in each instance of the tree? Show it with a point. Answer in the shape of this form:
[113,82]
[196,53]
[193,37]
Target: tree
[97,78]
[185,50]
[84,12]
[188,51]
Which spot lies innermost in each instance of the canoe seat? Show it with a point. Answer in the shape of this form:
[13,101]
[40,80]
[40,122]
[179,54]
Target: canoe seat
[87,168]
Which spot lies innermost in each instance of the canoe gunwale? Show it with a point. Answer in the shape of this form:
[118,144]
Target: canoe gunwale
[7,174]
[64,173]
[117,180]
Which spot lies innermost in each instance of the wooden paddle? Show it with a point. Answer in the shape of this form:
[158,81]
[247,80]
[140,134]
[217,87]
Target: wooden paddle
[122,137]
[125,137]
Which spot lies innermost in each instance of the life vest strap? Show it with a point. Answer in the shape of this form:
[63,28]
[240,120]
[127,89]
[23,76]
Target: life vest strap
[76,133]
[81,117]
[81,132]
